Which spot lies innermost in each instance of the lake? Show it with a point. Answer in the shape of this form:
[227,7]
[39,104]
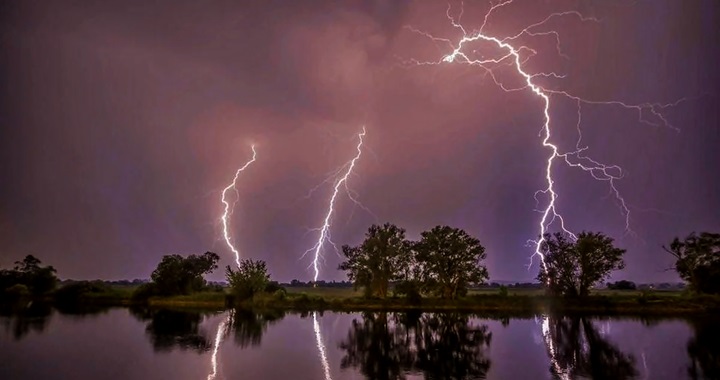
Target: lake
[122,343]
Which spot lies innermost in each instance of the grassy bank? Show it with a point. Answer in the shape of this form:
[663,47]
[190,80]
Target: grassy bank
[522,301]
[486,300]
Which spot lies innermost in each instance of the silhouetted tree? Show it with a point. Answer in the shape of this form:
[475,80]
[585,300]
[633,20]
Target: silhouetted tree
[579,351]
[622,285]
[181,275]
[450,260]
[698,261]
[250,278]
[378,260]
[29,273]
[571,268]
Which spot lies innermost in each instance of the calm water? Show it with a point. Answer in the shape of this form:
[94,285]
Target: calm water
[43,343]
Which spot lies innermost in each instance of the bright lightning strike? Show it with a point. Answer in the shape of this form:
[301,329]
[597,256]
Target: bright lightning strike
[321,347]
[222,329]
[325,229]
[510,54]
[228,209]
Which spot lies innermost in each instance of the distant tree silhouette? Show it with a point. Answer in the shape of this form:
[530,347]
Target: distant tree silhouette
[181,275]
[29,273]
[622,285]
[572,268]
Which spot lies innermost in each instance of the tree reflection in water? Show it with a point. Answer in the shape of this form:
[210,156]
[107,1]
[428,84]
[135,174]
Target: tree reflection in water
[391,345]
[704,349]
[169,329]
[248,326]
[20,320]
[577,349]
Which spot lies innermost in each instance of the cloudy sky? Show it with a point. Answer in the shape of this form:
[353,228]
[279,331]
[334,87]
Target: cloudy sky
[121,122]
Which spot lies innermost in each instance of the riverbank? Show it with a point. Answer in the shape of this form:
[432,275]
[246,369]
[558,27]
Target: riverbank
[528,301]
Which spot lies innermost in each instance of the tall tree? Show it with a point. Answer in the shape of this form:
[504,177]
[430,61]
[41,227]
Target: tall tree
[378,260]
[450,260]
[181,275]
[571,268]
[38,279]
[698,261]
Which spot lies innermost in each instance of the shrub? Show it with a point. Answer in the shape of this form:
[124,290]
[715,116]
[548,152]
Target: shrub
[503,291]
[73,291]
[250,278]
[144,292]
[17,291]
[273,287]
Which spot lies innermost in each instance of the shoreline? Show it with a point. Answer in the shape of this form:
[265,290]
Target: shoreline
[534,304]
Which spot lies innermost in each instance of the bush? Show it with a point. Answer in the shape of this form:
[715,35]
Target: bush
[503,291]
[622,285]
[273,287]
[280,294]
[411,291]
[250,278]
[73,291]
[144,292]
[17,291]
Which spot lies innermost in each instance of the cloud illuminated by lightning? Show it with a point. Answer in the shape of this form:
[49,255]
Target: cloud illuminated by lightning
[325,228]
[228,209]
[509,53]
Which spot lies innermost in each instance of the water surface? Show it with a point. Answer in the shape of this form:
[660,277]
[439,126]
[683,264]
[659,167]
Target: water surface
[121,343]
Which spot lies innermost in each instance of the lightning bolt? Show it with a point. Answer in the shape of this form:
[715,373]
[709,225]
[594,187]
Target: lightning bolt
[228,210]
[321,347]
[222,329]
[510,54]
[325,228]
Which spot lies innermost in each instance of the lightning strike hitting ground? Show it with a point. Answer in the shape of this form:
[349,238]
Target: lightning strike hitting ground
[321,347]
[325,228]
[510,54]
[222,329]
[228,209]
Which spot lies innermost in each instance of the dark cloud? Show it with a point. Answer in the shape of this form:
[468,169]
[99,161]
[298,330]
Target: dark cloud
[122,121]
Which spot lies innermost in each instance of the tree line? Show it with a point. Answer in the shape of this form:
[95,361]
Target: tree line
[444,263]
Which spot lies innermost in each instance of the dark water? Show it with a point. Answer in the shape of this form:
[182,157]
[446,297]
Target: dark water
[43,343]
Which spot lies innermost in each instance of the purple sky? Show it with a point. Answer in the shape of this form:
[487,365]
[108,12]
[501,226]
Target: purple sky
[121,121]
